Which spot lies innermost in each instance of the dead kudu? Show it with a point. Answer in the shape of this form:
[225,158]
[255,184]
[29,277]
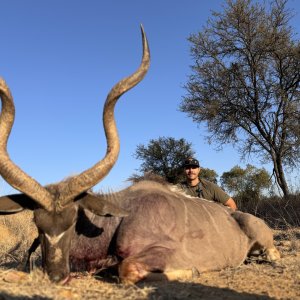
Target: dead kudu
[149,230]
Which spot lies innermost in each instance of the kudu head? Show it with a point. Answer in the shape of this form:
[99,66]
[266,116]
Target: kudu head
[56,206]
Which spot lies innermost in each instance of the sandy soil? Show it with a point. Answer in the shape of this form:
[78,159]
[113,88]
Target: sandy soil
[254,280]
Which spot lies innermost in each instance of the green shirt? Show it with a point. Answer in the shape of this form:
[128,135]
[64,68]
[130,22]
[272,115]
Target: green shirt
[205,189]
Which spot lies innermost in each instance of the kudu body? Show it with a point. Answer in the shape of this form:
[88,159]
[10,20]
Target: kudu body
[148,229]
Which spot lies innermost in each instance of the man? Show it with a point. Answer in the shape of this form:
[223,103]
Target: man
[202,188]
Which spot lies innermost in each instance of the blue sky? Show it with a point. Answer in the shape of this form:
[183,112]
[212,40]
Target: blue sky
[60,58]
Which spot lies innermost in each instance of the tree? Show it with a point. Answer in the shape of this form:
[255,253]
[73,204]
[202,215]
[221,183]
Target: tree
[245,83]
[246,184]
[164,157]
[209,174]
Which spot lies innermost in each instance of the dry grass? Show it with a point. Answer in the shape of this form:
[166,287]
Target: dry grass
[17,231]
[279,213]
[36,286]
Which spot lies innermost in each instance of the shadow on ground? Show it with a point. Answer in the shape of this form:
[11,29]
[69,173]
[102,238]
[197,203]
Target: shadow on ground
[188,290]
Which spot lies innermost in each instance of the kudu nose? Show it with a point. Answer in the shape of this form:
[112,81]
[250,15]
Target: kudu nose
[58,278]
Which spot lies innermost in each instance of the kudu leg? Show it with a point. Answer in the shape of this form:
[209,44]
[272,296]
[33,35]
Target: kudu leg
[25,264]
[150,266]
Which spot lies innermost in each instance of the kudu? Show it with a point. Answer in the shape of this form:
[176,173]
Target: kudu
[56,206]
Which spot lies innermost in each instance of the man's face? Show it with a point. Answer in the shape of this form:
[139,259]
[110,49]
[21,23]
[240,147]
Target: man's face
[192,172]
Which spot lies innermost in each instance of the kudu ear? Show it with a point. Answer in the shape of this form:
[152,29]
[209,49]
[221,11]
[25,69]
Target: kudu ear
[15,203]
[100,206]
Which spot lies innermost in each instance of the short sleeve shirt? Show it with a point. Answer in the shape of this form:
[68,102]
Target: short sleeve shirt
[205,189]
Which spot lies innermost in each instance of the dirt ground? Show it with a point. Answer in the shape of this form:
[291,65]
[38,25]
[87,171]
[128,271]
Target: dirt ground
[254,280]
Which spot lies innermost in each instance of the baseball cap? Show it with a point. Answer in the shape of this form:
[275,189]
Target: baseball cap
[191,162]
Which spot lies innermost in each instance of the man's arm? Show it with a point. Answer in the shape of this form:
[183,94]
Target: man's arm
[221,196]
[231,203]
